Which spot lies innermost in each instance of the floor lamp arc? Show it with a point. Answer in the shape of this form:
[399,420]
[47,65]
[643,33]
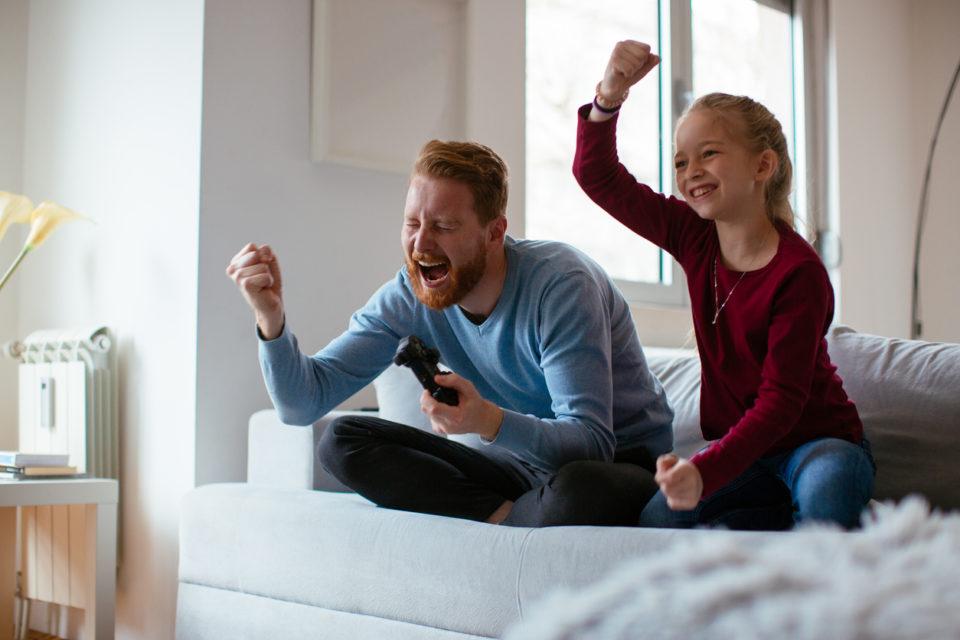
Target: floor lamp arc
[916,325]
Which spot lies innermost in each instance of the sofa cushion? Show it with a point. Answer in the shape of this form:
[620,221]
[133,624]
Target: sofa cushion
[894,579]
[340,553]
[679,372]
[398,397]
[908,396]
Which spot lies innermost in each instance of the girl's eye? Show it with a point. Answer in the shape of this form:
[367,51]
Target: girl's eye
[709,152]
[680,164]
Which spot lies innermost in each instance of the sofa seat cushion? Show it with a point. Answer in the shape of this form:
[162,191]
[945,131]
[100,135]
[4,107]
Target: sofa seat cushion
[894,579]
[339,552]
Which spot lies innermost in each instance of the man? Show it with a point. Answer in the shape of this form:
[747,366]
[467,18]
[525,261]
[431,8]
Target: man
[550,377]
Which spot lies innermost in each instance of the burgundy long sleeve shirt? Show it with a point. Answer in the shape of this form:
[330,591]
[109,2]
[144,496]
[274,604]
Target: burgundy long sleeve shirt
[767,383]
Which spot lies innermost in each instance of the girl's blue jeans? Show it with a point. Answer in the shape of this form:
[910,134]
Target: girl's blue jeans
[825,480]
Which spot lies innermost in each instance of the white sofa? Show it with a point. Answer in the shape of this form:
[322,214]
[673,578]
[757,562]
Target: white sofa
[287,555]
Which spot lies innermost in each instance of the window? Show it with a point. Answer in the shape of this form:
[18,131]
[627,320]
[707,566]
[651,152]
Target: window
[735,46]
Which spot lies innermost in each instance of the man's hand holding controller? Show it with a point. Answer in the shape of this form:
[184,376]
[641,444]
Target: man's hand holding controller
[455,406]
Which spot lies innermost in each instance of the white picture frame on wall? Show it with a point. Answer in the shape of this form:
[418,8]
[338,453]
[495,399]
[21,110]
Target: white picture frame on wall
[387,76]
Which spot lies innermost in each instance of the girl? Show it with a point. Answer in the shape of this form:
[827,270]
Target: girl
[770,400]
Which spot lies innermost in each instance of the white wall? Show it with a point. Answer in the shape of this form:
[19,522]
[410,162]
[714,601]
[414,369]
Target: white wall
[332,227]
[335,229]
[876,172]
[894,60]
[13,73]
[113,131]
[935,54]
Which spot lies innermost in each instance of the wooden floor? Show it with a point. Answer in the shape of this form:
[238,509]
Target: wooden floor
[36,635]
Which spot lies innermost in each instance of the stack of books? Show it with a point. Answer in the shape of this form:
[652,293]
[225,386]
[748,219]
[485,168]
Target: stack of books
[17,465]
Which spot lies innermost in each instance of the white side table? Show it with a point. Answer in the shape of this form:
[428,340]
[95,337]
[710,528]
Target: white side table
[100,544]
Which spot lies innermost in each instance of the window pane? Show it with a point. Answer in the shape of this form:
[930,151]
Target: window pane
[568,45]
[745,48]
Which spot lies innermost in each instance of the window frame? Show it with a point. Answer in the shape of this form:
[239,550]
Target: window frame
[675,74]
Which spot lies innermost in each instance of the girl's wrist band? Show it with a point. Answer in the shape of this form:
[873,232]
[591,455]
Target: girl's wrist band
[596,105]
[604,105]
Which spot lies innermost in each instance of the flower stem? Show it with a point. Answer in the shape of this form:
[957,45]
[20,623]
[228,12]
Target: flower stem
[13,267]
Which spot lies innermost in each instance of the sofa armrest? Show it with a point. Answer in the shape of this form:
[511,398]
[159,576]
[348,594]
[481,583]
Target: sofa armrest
[284,456]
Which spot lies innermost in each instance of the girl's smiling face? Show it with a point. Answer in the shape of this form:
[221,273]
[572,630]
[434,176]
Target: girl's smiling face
[716,174]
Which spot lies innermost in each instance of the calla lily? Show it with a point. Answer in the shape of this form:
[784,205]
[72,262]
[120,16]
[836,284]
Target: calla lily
[14,209]
[43,220]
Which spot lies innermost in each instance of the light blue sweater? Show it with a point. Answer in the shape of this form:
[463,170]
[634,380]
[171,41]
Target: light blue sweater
[559,354]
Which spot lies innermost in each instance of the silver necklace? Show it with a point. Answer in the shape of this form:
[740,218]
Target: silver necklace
[716,294]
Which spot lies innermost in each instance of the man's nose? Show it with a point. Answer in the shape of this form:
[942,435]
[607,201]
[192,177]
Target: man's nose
[423,241]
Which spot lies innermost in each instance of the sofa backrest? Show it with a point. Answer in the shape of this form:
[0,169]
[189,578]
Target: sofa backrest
[908,396]
[679,372]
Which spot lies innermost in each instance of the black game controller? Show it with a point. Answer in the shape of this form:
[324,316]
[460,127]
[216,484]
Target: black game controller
[414,353]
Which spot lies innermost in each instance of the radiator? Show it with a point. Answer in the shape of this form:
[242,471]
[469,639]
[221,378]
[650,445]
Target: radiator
[67,404]
[67,399]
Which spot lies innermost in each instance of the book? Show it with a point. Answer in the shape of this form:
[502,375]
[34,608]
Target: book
[61,470]
[21,459]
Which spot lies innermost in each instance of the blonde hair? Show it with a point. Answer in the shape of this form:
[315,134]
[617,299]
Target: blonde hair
[474,164]
[758,130]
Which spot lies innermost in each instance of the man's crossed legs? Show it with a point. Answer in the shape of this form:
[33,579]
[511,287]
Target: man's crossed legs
[401,467]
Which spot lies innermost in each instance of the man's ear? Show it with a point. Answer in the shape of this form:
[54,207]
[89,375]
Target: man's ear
[497,231]
[767,165]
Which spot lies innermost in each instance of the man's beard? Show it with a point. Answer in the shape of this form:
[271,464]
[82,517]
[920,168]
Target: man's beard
[460,280]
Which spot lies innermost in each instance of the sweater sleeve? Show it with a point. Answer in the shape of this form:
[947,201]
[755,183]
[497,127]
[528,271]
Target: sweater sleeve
[665,221]
[801,312]
[305,387]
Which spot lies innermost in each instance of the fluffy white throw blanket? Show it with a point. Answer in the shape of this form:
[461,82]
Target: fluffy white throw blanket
[898,578]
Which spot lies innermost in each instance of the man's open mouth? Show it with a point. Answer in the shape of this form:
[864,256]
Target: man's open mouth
[433,272]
